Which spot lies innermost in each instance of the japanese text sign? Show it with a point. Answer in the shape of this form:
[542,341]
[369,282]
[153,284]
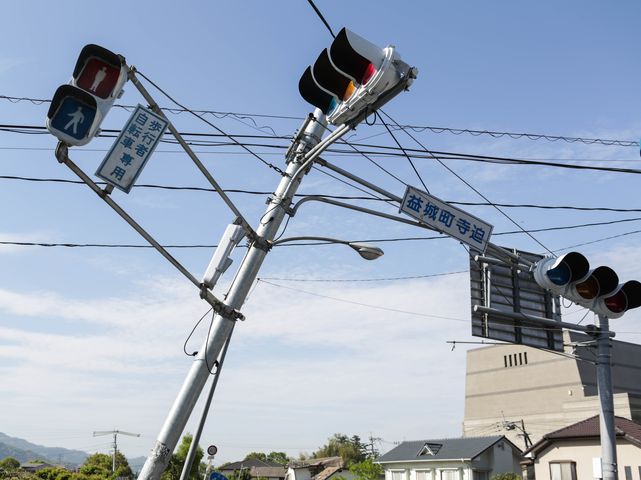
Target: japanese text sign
[133,147]
[445,218]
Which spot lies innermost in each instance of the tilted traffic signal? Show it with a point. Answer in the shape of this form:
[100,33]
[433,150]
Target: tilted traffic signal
[353,76]
[78,109]
[597,289]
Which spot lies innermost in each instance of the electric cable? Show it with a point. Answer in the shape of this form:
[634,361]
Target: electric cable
[416,128]
[369,196]
[472,187]
[265,162]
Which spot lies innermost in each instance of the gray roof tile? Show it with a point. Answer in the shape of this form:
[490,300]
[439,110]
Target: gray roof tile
[442,449]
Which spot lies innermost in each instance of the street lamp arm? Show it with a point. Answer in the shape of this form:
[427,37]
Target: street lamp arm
[365,250]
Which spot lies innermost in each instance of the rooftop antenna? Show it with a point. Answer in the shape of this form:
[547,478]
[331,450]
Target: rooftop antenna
[115,433]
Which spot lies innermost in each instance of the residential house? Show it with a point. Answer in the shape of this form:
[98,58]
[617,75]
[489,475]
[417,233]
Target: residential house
[326,468]
[469,458]
[35,466]
[265,470]
[568,453]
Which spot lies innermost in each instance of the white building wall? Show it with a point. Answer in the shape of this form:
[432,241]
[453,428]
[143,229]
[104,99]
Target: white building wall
[582,453]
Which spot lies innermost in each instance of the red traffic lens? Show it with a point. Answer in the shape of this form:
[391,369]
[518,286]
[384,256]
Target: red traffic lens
[617,303]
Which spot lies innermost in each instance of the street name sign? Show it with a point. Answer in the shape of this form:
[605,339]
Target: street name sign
[444,218]
[133,147]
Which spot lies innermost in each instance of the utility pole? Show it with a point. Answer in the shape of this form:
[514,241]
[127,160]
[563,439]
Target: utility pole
[606,416]
[300,160]
[115,433]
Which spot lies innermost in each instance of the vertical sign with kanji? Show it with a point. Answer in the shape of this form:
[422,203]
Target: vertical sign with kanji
[133,147]
[445,218]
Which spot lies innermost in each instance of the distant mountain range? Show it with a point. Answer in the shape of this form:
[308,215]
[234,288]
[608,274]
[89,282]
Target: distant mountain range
[24,451]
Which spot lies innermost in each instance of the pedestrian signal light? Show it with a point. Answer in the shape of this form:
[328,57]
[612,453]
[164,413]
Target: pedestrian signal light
[352,76]
[597,289]
[78,109]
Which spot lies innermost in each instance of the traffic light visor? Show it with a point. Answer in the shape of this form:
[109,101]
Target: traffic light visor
[314,94]
[568,268]
[331,79]
[356,57]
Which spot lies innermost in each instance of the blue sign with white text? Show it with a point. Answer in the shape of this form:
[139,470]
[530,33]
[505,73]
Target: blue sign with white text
[217,476]
[73,118]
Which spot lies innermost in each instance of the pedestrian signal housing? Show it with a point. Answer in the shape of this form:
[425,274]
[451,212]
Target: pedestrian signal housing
[353,76]
[78,109]
[598,289]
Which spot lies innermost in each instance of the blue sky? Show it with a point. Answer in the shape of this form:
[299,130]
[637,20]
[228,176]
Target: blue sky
[92,339]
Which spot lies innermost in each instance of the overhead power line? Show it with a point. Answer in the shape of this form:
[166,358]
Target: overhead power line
[417,128]
[337,197]
[315,243]
[365,150]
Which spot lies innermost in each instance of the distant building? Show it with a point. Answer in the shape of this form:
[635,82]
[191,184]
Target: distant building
[567,453]
[257,469]
[35,466]
[452,459]
[505,384]
[326,468]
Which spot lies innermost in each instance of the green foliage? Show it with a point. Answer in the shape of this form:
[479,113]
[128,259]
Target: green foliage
[9,463]
[506,476]
[175,467]
[278,457]
[351,450]
[98,466]
[366,470]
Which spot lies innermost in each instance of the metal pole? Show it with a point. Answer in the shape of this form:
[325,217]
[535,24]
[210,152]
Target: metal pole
[222,326]
[113,463]
[606,417]
[194,441]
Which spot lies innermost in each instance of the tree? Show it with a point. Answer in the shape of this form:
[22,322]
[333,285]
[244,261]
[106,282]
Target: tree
[506,476]
[351,450]
[100,464]
[177,460]
[9,463]
[366,470]
[278,457]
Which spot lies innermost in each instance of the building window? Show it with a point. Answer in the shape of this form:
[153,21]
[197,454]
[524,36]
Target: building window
[562,471]
[398,474]
[525,357]
[628,473]
[450,475]
[479,475]
[424,475]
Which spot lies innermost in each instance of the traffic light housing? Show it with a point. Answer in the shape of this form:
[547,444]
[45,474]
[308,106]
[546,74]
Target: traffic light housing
[597,289]
[78,109]
[353,76]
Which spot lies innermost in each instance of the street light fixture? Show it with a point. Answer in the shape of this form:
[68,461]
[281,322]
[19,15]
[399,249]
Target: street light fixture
[365,250]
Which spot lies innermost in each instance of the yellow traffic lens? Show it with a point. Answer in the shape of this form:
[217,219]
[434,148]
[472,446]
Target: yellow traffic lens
[349,91]
[588,289]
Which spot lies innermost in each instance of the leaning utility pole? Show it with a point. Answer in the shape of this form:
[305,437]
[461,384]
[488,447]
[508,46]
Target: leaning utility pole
[308,149]
[115,433]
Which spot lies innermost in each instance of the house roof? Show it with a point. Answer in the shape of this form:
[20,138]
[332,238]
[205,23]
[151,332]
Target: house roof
[279,471]
[442,449]
[318,462]
[249,463]
[589,428]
